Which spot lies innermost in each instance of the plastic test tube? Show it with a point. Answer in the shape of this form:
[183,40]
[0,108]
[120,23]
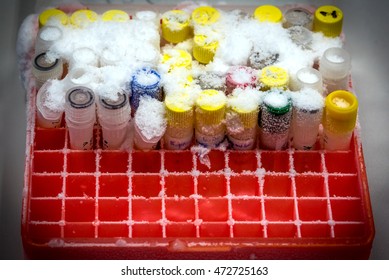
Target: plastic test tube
[145,81]
[242,118]
[52,14]
[47,117]
[275,120]
[298,17]
[180,121]
[335,66]
[307,77]
[339,120]
[114,116]
[80,116]
[209,118]
[44,69]
[175,26]
[307,115]
[79,76]
[240,77]
[46,37]
[84,57]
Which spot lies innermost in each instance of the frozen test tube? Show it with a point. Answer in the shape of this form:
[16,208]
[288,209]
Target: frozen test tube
[175,26]
[47,117]
[339,119]
[204,48]
[240,77]
[49,15]
[242,118]
[335,66]
[268,13]
[115,16]
[209,118]
[46,37]
[80,116]
[274,77]
[114,116]
[145,81]
[328,20]
[307,77]
[45,68]
[298,17]
[83,57]
[180,121]
[275,120]
[307,115]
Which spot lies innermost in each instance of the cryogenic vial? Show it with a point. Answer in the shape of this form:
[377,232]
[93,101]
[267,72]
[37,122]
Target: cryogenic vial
[298,17]
[307,77]
[46,37]
[80,117]
[115,15]
[145,81]
[268,13]
[328,20]
[301,36]
[335,66]
[259,60]
[79,76]
[212,80]
[83,57]
[275,120]
[209,118]
[83,18]
[46,68]
[205,15]
[47,117]
[307,114]
[114,116]
[204,48]
[150,123]
[339,120]
[175,26]
[180,121]
[240,77]
[242,118]
[274,77]
[50,16]
[174,58]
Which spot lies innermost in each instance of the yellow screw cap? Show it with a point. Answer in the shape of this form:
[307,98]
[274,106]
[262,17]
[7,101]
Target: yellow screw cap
[59,15]
[179,110]
[249,119]
[268,13]
[176,59]
[115,15]
[274,77]
[205,15]
[329,20]
[204,49]
[175,26]
[211,107]
[82,18]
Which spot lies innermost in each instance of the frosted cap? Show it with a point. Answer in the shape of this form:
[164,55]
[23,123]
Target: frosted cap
[43,63]
[111,104]
[298,17]
[335,63]
[146,78]
[277,102]
[80,97]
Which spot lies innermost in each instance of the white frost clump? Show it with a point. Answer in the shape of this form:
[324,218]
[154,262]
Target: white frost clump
[308,99]
[150,117]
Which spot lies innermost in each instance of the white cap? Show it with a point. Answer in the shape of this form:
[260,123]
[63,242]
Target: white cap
[80,105]
[335,63]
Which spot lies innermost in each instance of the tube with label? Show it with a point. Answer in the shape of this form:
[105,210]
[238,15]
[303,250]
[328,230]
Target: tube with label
[308,107]
[335,66]
[180,121]
[47,117]
[339,120]
[114,116]
[209,118]
[45,68]
[275,120]
[242,118]
[80,117]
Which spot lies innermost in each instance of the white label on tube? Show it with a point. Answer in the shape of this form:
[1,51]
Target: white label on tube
[173,143]
[238,144]
[209,141]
